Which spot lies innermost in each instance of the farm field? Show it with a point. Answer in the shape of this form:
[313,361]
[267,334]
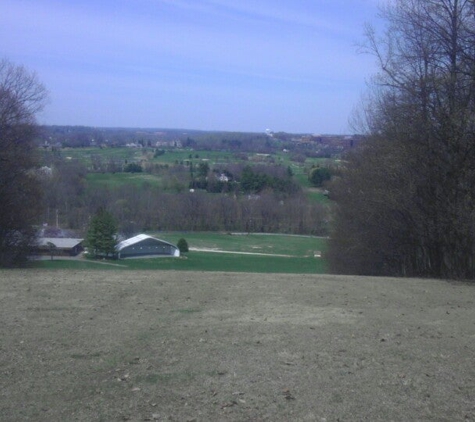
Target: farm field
[173,345]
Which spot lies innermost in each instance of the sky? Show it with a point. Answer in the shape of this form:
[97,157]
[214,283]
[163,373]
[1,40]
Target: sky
[232,65]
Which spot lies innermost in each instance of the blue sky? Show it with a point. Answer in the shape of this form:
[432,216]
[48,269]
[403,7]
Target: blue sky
[247,65]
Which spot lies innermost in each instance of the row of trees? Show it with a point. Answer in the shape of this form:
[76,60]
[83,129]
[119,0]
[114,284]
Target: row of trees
[406,199]
[146,207]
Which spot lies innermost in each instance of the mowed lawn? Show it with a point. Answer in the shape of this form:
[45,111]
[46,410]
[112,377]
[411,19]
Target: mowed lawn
[251,253]
[279,244]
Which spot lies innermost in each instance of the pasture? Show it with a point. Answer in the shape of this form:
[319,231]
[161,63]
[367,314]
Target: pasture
[213,346]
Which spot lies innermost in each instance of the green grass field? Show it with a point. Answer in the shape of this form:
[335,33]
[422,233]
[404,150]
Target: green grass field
[84,154]
[280,244]
[199,261]
[212,157]
[317,196]
[300,259]
[115,180]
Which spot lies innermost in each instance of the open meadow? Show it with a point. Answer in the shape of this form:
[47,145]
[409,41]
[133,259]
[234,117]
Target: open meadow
[214,346]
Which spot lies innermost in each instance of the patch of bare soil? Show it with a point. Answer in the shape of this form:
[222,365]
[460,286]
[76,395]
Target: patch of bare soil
[178,346]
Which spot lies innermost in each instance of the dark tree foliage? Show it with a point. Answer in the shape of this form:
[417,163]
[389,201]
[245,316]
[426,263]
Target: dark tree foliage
[21,97]
[203,170]
[102,234]
[182,245]
[63,187]
[406,197]
[254,181]
[133,168]
[318,176]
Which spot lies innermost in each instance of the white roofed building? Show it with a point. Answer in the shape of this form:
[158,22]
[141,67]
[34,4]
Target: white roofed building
[143,245]
[59,245]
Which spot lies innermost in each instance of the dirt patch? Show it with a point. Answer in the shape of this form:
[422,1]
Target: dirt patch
[106,346]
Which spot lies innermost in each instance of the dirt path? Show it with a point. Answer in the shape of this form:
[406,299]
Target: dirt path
[177,346]
[214,250]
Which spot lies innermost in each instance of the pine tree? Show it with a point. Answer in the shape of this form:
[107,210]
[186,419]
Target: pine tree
[182,245]
[102,234]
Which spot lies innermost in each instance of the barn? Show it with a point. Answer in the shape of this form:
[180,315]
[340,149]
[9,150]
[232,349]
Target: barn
[143,246]
[60,246]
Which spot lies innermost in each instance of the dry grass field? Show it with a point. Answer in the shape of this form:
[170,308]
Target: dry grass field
[183,346]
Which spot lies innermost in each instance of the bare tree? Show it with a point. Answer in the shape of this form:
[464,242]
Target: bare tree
[406,198]
[21,97]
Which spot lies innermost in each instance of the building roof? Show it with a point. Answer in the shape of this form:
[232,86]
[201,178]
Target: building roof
[136,239]
[59,242]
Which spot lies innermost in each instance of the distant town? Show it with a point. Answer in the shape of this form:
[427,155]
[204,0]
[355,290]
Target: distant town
[323,145]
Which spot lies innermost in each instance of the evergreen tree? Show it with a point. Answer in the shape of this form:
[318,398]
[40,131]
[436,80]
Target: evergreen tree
[183,245]
[318,176]
[102,234]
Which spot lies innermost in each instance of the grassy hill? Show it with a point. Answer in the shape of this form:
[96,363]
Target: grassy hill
[214,346]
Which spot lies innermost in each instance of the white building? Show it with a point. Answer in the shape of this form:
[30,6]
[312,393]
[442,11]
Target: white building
[142,246]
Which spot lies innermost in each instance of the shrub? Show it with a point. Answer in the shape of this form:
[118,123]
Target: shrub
[182,245]
[319,175]
[133,168]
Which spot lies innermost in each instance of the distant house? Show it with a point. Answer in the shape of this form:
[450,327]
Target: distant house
[223,178]
[142,246]
[64,246]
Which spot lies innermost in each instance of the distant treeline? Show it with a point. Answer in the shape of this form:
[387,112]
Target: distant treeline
[258,199]
[84,136]
[148,208]
[245,142]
